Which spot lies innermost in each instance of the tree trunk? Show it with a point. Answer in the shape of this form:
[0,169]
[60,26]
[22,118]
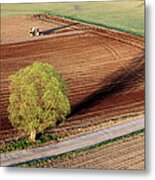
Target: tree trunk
[32,136]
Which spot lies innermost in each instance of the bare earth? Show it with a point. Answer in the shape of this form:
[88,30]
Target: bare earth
[104,70]
[125,154]
[80,142]
[15,29]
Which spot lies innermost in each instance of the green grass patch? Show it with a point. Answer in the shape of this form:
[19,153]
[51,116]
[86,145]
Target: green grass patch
[134,32]
[40,162]
[24,143]
[127,16]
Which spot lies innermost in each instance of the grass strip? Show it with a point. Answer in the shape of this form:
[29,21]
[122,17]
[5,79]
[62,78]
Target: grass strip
[93,23]
[36,163]
[24,143]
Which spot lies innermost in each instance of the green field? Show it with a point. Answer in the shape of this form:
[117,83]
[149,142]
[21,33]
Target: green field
[125,16]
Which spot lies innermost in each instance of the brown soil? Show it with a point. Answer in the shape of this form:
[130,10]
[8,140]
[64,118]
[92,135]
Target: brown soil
[15,29]
[127,153]
[104,70]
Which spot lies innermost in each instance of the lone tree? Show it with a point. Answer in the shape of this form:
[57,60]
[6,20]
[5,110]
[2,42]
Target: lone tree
[37,99]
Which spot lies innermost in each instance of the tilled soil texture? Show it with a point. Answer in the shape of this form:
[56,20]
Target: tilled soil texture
[126,154]
[16,29]
[104,70]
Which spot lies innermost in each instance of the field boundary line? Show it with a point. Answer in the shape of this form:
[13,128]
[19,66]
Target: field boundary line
[79,142]
[110,33]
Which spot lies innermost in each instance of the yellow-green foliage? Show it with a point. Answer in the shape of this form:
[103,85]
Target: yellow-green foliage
[38,98]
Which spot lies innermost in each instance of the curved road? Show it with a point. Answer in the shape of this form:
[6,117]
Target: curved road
[80,142]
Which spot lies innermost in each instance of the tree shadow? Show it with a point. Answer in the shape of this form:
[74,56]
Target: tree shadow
[122,79]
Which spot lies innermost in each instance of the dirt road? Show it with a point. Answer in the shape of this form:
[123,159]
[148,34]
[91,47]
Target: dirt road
[17,157]
[127,153]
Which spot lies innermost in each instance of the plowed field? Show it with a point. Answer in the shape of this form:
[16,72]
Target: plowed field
[104,70]
[127,153]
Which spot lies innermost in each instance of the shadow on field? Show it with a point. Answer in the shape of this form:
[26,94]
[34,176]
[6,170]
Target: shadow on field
[49,31]
[122,79]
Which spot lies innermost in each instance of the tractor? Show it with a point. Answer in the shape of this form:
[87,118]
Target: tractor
[34,31]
